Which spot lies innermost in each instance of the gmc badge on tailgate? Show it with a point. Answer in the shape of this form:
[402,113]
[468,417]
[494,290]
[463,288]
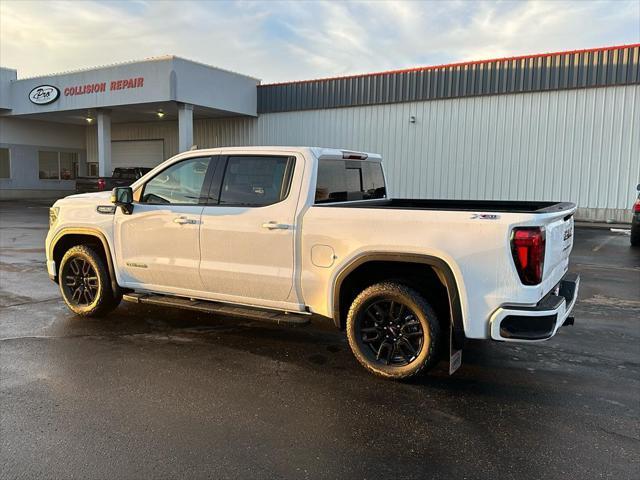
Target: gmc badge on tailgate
[568,233]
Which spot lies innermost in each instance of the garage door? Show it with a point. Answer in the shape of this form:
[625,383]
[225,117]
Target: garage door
[137,153]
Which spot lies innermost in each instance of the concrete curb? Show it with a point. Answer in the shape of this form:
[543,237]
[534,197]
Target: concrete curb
[602,225]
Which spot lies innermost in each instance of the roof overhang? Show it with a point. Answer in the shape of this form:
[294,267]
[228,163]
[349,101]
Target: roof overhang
[142,112]
[133,90]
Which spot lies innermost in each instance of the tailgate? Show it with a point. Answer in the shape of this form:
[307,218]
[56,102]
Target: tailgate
[84,185]
[559,230]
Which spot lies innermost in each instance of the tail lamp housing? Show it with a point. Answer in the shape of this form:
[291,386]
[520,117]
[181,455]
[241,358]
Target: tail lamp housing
[636,206]
[102,184]
[527,248]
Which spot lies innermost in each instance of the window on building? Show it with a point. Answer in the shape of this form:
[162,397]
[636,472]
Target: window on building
[348,180]
[180,183]
[92,169]
[57,165]
[5,163]
[68,162]
[256,181]
[48,165]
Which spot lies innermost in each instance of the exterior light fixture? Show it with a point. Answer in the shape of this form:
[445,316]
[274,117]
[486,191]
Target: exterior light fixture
[412,119]
[160,114]
[89,119]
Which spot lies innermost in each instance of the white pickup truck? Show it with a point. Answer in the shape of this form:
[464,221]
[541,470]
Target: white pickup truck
[286,233]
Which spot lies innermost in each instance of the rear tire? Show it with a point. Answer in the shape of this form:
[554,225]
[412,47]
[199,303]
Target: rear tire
[393,331]
[85,284]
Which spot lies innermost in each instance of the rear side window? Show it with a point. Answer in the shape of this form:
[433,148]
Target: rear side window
[256,181]
[348,180]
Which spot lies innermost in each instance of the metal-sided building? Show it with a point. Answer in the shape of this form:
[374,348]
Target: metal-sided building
[558,126]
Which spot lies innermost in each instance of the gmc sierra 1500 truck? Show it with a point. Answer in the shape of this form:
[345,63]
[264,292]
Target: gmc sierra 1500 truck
[285,233]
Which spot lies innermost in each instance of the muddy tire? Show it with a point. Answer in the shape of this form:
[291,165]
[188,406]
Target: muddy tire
[393,331]
[85,284]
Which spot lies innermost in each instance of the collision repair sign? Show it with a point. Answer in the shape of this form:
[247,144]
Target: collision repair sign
[100,87]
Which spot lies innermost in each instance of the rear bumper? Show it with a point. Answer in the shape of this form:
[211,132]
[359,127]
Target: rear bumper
[539,322]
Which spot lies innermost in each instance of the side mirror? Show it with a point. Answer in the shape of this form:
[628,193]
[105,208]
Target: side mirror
[123,197]
[638,187]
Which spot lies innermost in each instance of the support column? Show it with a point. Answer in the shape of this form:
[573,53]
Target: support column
[185,127]
[104,143]
[82,165]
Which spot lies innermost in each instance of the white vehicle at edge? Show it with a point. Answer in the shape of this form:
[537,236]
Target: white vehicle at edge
[286,233]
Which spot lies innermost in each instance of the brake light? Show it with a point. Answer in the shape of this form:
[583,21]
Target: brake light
[527,248]
[101,184]
[636,206]
[354,155]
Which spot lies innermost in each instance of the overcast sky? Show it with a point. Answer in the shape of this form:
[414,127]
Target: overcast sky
[300,40]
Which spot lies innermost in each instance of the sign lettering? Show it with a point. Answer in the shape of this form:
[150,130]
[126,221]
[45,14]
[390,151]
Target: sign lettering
[101,87]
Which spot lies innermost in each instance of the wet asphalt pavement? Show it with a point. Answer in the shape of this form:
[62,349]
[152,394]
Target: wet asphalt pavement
[153,393]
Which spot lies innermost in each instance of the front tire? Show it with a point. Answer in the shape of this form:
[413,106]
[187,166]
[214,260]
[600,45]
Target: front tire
[393,331]
[85,284]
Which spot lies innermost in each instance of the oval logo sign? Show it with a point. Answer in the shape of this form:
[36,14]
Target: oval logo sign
[44,94]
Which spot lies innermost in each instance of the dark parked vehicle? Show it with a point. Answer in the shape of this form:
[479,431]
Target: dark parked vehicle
[635,221]
[122,177]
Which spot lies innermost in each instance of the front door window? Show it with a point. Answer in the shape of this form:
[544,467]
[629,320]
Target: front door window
[180,184]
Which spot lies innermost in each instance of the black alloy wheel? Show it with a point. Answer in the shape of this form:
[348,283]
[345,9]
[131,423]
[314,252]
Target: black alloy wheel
[85,282]
[80,281]
[391,331]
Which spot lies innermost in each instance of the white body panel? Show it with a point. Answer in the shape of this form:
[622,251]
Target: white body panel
[242,259]
[248,253]
[159,246]
[226,254]
[477,252]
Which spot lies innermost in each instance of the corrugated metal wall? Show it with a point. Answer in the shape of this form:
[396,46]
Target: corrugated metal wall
[610,66]
[581,145]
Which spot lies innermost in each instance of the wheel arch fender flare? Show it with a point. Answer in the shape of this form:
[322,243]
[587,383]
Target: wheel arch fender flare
[89,232]
[441,268]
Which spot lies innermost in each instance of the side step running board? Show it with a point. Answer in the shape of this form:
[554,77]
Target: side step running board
[280,318]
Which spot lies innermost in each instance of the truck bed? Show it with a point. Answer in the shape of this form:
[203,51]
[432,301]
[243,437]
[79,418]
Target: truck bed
[504,206]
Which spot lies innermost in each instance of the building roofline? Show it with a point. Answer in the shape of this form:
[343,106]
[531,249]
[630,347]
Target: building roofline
[158,58]
[455,64]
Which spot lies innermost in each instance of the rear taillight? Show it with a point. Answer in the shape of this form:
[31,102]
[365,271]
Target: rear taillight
[101,184]
[527,247]
[636,206]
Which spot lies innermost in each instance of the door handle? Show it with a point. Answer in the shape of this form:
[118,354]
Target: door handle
[184,221]
[276,226]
